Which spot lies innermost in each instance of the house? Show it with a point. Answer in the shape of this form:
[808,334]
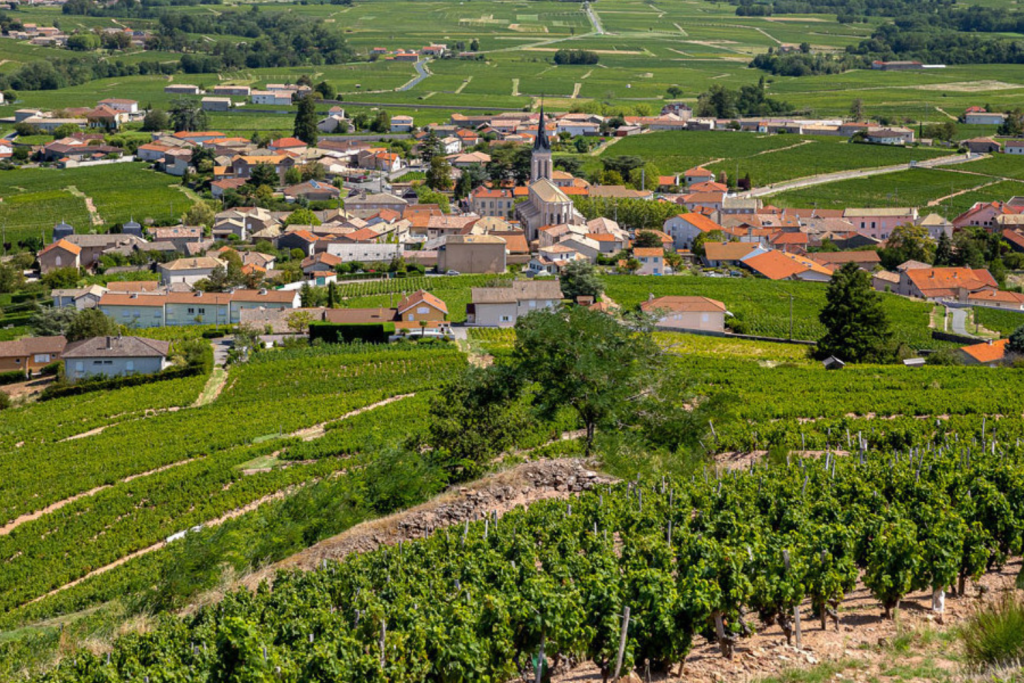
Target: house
[889,136]
[652,261]
[698,174]
[59,254]
[333,123]
[686,227]
[702,202]
[250,299]
[865,260]
[182,89]
[401,124]
[31,354]
[686,313]
[984,118]
[232,90]
[189,270]
[114,357]
[216,103]
[487,201]
[718,254]
[1013,147]
[81,298]
[944,284]
[178,235]
[312,190]
[369,204]
[320,263]
[502,306]
[270,97]
[878,223]
[173,308]
[120,105]
[937,226]
[990,353]
[982,145]
[994,298]
[303,240]
[984,214]
[94,246]
[242,165]
[472,254]
[775,265]
[550,260]
[422,306]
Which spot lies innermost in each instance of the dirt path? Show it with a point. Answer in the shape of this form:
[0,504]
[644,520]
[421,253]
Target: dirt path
[214,385]
[462,87]
[53,507]
[157,546]
[576,87]
[318,430]
[94,215]
[936,202]
[515,87]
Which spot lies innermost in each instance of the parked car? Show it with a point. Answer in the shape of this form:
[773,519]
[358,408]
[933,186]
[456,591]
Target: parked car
[452,273]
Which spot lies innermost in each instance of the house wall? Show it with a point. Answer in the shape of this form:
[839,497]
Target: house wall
[189,277]
[496,315]
[472,258]
[186,314]
[135,316]
[651,265]
[80,368]
[58,258]
[422,311]
[691,320]
[683,234]
[238,306]
[31,363]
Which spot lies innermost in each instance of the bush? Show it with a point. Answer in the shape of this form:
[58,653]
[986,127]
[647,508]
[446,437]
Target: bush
[993,635]
[5,401]
[51,369]
[331,333]
[12,377]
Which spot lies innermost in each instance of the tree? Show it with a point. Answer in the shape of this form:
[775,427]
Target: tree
[474,45]
[674,91]
[857,328]
[1016,343]
[439,175]
[645,239]
[293,176]
[201,213]
[579,278]
[11,278]
[89,323]
[62,278]
[263,175]
[430,147]
[944,251]
[907,242]
[584,360]
[302,216]
[305,120]
[298,321]
[51,322]
[66,130]
[326,90]
[186,115]
[489,400]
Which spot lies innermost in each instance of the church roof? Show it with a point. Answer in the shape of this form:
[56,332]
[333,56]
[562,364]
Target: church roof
[547,191]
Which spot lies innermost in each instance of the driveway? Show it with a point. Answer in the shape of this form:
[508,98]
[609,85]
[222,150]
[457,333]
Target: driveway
[221,347]
[958,321]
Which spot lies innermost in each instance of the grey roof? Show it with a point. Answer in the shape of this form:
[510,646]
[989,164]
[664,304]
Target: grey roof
[118,347]
[521,290]
[105,240]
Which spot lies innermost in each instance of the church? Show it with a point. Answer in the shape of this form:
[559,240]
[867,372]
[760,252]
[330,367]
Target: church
[546,204]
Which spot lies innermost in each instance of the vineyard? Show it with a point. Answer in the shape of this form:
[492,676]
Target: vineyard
[1003,322]
[155,476]
[714,557]
[763,306]
[455,291]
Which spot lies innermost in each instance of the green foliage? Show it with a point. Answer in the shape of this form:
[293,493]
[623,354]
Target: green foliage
[857,328]
[336,333]
[993,635]
[89,323]
[305,121]
[1016,343]
[62,278]
[579,278]
[893,561]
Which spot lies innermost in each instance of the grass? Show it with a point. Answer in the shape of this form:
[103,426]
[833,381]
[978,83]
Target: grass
[826,671]
[993,635]
[1003,322]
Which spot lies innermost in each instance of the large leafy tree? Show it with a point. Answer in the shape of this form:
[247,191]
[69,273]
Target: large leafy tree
[856,326]
[89,323]
[263,174]
[587,361]
[186,115]
[1016,343]
[439,175]
[305,121]
[579,278]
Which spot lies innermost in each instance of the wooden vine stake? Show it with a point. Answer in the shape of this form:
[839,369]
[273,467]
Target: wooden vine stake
[796,607]
[622,643]
[383,633]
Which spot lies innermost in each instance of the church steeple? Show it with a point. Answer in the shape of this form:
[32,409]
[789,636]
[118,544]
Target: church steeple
[540,162]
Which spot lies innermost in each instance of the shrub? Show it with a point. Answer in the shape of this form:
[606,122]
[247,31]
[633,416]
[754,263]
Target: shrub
[330,333]
[12,377]
[5,401]
[994,634]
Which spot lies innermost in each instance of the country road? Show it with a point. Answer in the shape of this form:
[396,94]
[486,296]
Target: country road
[421,69]
[824,178]
[595,20]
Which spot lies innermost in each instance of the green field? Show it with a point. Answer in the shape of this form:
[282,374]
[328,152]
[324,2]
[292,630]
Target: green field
[35,199]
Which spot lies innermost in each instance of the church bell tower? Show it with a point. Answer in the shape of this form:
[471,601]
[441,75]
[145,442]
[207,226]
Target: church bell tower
[540,161]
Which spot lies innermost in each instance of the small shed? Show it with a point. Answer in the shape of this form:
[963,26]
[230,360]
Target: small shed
[833,363]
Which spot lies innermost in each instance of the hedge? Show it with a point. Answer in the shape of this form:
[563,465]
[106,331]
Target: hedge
[59,390]
[335,333]
[12,377]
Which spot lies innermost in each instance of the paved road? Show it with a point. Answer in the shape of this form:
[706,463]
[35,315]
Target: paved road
[859,173]
[958,321]
[220,349]
[421,69]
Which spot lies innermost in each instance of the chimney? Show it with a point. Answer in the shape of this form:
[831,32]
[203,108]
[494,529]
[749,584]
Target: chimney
[263,291]
[110,343]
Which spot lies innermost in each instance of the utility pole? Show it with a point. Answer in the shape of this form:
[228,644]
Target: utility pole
[791,317]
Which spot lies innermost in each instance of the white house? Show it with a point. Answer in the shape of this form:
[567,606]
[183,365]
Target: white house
[114,357]
[189,270]
[270,97]
[402,124]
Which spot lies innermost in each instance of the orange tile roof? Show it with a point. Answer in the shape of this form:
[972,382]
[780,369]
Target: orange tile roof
[986,352]
[424,297]
[652,251]
[701,222]
[774,265]
[683,304]
[62,244]
[945,281]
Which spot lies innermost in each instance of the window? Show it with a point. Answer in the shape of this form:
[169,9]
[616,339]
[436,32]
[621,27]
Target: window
[130,366]
[191,311]
[79,366]
[505,319]
[533,304]
[42,358]
[422,310]
[703,317]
